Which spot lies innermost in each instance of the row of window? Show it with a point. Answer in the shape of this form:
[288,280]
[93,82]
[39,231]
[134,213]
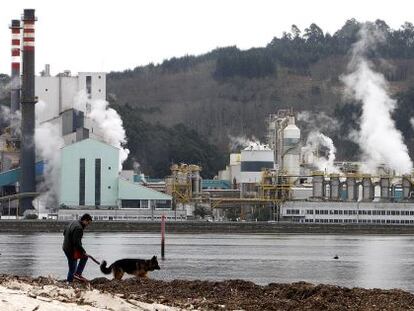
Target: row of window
[292,212]
[146,204]
[364,221]
[354,212]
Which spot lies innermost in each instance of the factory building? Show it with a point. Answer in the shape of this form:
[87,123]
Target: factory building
[64,101]
[63,91]
[90,182]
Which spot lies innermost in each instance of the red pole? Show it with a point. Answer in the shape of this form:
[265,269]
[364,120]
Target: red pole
[162,236]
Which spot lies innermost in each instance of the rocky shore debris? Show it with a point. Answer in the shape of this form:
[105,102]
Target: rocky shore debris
[224,295]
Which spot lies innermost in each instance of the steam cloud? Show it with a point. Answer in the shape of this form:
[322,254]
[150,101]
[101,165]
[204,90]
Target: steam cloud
[241,142]
[12,119]
[48,144]
[111,126]
[378,139]
[314,142]
[317,121]
[412,122]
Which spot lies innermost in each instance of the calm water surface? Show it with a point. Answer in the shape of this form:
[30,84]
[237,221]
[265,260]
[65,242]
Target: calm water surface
[364,261]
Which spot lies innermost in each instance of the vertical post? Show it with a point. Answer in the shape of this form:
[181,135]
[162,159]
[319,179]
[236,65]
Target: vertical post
[163,237]
[28,101]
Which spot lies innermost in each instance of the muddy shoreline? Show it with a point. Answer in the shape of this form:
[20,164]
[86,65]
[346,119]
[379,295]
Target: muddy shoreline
[199,227]
[240,295]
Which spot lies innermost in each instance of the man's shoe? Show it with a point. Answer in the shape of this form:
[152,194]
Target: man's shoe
[80,278]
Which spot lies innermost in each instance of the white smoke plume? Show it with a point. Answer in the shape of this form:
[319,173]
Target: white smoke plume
[317,121]
[48,144]
[412,122]
[379,140]
[314,143]
[111,126]
[241,142]
[14,119]
[5,88]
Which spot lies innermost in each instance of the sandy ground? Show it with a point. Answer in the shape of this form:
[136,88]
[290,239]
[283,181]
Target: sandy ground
[49,295]
[46,294]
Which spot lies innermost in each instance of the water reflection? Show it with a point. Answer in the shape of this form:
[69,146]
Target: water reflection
[364,261]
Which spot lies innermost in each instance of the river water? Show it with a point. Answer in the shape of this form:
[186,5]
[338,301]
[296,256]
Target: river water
[364,260]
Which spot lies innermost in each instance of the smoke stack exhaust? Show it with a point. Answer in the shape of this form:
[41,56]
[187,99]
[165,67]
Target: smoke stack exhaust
[28,182]
[15,66]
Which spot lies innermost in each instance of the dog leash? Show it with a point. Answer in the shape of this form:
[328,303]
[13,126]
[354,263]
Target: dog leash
[94,260]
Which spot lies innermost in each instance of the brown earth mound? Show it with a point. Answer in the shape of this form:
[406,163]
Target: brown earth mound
[243,295]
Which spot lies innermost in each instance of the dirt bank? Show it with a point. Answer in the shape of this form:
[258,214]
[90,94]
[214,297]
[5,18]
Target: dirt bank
[242,295]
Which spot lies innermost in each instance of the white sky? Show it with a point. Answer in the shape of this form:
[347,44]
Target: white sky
[93,35]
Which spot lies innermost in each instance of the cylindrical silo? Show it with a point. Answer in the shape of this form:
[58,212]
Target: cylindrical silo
[385,184]
[318,185]
[291,148]
[334,186]
[351,188]
[367,188]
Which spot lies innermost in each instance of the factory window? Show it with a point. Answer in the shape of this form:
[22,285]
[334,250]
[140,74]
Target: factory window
[130,204]
[109,187]
[99,77]
[99,90]
[109,168]
[97,182]
[163,203]
[81,181]
[144,203]
[89,85]
[46,90]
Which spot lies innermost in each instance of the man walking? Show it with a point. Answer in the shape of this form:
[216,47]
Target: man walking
[72,247]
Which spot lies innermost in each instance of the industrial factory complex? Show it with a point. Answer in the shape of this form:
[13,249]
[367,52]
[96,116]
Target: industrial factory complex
[277,180]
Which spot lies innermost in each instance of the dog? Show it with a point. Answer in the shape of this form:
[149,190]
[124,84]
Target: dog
[137,267]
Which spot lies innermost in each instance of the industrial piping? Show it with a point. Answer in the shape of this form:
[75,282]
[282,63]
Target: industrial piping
[28,182]
[15,66]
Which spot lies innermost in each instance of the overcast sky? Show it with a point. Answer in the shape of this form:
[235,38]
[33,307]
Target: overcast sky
[92,35]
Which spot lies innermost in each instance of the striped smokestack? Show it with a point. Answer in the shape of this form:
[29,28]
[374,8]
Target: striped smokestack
[15,66]
[28,182]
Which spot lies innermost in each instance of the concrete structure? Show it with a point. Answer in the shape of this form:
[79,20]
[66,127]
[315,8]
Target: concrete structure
[90,182]
[65,92]
[232,172]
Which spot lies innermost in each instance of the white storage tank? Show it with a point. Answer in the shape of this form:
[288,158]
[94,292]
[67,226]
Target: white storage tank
[254,159]
[291,148]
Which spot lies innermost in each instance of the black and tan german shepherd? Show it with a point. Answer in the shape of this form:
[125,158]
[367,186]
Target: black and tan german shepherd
[137,267]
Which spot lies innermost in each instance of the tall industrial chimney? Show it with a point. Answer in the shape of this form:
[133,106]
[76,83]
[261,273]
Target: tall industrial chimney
[15,66]
[28,182]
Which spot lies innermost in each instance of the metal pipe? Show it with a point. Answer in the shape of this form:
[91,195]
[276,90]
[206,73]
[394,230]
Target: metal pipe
[28,183]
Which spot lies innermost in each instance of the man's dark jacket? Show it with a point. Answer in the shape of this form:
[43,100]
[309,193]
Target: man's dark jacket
[72,242]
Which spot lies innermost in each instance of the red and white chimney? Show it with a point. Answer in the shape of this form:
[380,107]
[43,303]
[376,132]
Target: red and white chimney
[15,65]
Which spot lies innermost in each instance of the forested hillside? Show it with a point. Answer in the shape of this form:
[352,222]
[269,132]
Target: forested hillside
[185,109]
[188,109]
